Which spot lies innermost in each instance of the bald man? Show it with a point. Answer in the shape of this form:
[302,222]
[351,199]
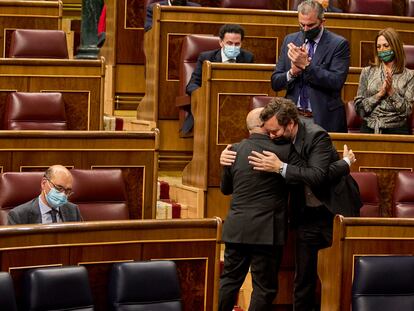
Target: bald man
[255,228]
[52,204]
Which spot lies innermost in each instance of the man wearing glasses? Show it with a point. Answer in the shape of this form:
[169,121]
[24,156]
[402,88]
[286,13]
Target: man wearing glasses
[52,204]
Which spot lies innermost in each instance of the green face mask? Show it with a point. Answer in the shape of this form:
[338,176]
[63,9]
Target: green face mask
[386,56]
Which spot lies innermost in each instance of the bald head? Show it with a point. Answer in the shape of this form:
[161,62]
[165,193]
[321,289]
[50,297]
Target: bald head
[253,122]
[57,170]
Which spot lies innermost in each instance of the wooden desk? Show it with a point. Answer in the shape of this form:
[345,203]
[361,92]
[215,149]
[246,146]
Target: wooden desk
[27,15]
[265,31]
[81,83]
[358,237]
[192,244]
[135,153]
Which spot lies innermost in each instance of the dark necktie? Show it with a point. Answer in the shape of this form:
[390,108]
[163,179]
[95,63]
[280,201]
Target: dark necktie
[53,213]
[304,96]
[231,60]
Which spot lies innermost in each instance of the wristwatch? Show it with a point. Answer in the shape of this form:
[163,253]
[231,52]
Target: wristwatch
[280,171]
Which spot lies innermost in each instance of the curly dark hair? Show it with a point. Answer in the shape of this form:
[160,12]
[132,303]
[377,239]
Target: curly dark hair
[284,109]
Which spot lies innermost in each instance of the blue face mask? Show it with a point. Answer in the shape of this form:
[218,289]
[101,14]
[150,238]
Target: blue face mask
[231,51]
[56,198]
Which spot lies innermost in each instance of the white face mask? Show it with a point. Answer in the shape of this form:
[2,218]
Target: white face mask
[231,51]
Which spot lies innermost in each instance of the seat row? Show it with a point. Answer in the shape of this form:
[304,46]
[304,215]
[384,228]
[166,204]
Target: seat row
[100,194]
[146,285]
[377,7]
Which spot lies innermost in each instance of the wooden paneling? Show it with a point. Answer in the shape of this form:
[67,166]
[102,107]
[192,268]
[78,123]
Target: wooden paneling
[135,153]
[27,15]
[358,237]
[192,244]
[265,31]
[80,81]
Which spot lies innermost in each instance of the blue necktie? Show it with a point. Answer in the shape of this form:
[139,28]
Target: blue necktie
[304,97]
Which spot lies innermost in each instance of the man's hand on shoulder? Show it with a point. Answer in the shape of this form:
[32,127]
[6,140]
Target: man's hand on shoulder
[227,156]
[266,161]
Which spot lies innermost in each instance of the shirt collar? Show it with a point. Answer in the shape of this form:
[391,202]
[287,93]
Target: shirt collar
[224,58]
[318,37]
[44,209]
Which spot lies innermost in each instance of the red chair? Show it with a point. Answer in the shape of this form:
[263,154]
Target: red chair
[259,101]
[409,55]
[192,46]
[243,4]
[353,120]
[403,199]
[409,8]
[35,43]
[34,111]
[100,194]
[377,7]
[369,191]
[17,188]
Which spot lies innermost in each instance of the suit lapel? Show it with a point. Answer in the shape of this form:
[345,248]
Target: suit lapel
[217,56]
[300,138]
[322,48]
[35,215]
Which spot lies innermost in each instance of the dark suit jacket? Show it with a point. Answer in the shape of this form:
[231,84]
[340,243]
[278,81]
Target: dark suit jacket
[29,213]
[148,19]
[331,184]
[258,211]
[325,77]
[213,56]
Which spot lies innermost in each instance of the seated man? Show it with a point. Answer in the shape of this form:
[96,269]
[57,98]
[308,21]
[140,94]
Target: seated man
[52,204]
[231,37]
[148,19]
[328,6]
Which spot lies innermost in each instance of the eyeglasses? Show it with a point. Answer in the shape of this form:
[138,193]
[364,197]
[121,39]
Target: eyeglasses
[59,188]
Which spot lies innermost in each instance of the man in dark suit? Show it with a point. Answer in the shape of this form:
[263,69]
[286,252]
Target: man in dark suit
[312,68]
[52,204]
[320,189]
[231,38]
[148,19]
[255,227]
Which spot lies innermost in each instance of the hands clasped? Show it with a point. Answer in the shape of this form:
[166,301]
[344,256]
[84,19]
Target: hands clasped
[298,56]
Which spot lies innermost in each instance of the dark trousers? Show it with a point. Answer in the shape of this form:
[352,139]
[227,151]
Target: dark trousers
[314,233]
[264,262]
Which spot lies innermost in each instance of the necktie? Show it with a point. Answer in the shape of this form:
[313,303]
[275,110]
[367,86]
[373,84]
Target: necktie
[231,60]
[53,213]
[304,96]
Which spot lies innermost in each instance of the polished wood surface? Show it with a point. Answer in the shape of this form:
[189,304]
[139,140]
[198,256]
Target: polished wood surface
[135,153]
[27,15]
[265,30]
[192,244]
[358,237]
[81,83]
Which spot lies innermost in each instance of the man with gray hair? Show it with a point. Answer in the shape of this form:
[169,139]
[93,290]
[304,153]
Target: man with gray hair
[312,68]
[52,204]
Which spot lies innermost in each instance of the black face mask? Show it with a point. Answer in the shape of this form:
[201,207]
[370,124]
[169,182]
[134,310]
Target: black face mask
[311,33]
[179,2]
